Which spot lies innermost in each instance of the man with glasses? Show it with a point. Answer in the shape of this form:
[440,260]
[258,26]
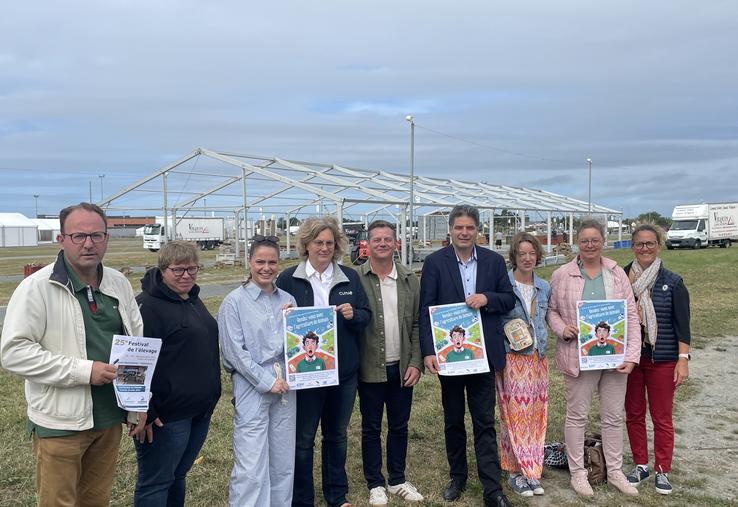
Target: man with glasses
[57,335]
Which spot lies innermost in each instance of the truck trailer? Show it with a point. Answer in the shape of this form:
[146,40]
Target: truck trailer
[207,232]
[703,225]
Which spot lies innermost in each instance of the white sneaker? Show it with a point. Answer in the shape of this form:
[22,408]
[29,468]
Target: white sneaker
[406,491]
[378,496]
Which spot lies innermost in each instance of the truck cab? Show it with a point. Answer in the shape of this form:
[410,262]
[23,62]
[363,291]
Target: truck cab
[154,236]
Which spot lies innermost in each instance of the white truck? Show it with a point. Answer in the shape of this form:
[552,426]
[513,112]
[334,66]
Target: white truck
[703,225]
[207,232]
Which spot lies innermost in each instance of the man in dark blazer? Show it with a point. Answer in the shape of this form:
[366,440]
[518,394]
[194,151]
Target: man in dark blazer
[463,272]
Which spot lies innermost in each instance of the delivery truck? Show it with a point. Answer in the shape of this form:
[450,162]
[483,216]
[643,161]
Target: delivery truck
[207,232]
[703,225]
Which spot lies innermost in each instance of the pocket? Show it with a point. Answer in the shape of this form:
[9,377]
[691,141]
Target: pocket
[247,400]
[66,403]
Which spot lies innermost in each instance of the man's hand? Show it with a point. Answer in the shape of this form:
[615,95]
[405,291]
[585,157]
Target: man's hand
[346,310]
[476,301]
[412,376]
[102,373]
[570,332]
[280,386]
[138,430]
[431,364]
[625,368]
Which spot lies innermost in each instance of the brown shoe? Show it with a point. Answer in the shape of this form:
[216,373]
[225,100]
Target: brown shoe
[621,482]
[581,486]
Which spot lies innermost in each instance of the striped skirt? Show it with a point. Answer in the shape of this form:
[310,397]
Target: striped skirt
[522,398]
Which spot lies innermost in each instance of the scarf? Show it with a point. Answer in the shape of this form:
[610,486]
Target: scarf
[643,281]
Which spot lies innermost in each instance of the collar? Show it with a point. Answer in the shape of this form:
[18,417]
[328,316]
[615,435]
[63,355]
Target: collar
[64,275]
[310,271]
[254,291]
[392,274]
[472,258]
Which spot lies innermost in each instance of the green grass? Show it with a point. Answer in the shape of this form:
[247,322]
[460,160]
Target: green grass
[709,274]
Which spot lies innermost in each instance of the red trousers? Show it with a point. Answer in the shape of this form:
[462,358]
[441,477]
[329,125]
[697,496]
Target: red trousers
[655,382]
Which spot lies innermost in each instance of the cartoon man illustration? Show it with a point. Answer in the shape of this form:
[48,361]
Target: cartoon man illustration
[459,353]
[311,362]
[602,348]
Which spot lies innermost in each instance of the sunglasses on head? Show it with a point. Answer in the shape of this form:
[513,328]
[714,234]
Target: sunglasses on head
[265,239]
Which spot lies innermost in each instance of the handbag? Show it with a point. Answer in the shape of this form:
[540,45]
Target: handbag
[554,455]
[594,459]
[518,332]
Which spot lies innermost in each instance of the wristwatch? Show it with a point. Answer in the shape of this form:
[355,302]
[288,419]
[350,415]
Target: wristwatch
[688,357]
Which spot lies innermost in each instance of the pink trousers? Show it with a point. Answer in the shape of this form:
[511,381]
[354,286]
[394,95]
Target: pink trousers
[611,388]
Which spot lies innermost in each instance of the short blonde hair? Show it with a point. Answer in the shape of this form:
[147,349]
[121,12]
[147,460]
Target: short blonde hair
[177,252]
[313,226]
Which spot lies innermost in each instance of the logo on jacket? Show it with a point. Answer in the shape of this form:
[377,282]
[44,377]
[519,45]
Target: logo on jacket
[346,293]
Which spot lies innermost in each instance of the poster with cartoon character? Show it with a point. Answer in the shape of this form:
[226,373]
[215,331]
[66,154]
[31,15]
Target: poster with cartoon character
[458,339]
[311,347]
[602,333]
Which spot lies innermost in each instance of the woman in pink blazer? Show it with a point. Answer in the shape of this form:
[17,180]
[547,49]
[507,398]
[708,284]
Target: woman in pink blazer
[590,277]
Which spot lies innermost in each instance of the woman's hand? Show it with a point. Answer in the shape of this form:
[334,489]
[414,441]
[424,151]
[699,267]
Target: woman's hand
[150,431]
[570,332]
[625,368]
[346,310]
[280,386]
[681,371]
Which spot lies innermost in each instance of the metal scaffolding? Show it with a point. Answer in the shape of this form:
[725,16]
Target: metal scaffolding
[239,185]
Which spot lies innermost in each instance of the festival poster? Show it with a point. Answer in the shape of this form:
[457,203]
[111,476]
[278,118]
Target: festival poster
[311,347]
[602,333]
[458,339]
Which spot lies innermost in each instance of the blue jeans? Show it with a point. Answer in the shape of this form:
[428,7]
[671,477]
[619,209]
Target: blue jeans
[163,464]
[372,399]
[330,407]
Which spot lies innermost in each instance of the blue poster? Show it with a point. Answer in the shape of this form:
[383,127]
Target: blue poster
[603,333]
[458,339]
[311,347]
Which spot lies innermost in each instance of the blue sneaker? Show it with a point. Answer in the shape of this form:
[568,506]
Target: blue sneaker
[639,473]
[663,485]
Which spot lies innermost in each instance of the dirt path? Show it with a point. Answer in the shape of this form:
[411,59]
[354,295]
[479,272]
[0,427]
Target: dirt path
[707,423]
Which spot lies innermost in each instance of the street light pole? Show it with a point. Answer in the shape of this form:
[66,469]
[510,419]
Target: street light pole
[412,184]
[101,176]
[35,197]
[589,207]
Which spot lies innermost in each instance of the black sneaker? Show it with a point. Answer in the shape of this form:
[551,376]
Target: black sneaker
[663,485]
[639,473]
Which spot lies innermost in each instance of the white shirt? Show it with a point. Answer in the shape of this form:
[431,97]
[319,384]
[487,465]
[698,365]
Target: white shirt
[321,283]
[388,288]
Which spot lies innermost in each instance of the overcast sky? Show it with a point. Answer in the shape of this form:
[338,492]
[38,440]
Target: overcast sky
[648,90]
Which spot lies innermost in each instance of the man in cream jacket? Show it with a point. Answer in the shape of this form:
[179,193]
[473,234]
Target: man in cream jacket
[57,335]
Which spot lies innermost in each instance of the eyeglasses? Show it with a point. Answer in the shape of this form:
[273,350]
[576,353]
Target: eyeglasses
[258,238]
[179,272]
[320,244]
[588,242]
[79,238]
[645,244]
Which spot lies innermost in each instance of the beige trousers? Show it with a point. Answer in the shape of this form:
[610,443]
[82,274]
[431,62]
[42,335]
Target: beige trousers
[77,470]
[611,388]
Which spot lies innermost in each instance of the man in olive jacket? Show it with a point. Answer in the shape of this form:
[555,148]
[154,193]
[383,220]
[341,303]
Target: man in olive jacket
[391,364]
